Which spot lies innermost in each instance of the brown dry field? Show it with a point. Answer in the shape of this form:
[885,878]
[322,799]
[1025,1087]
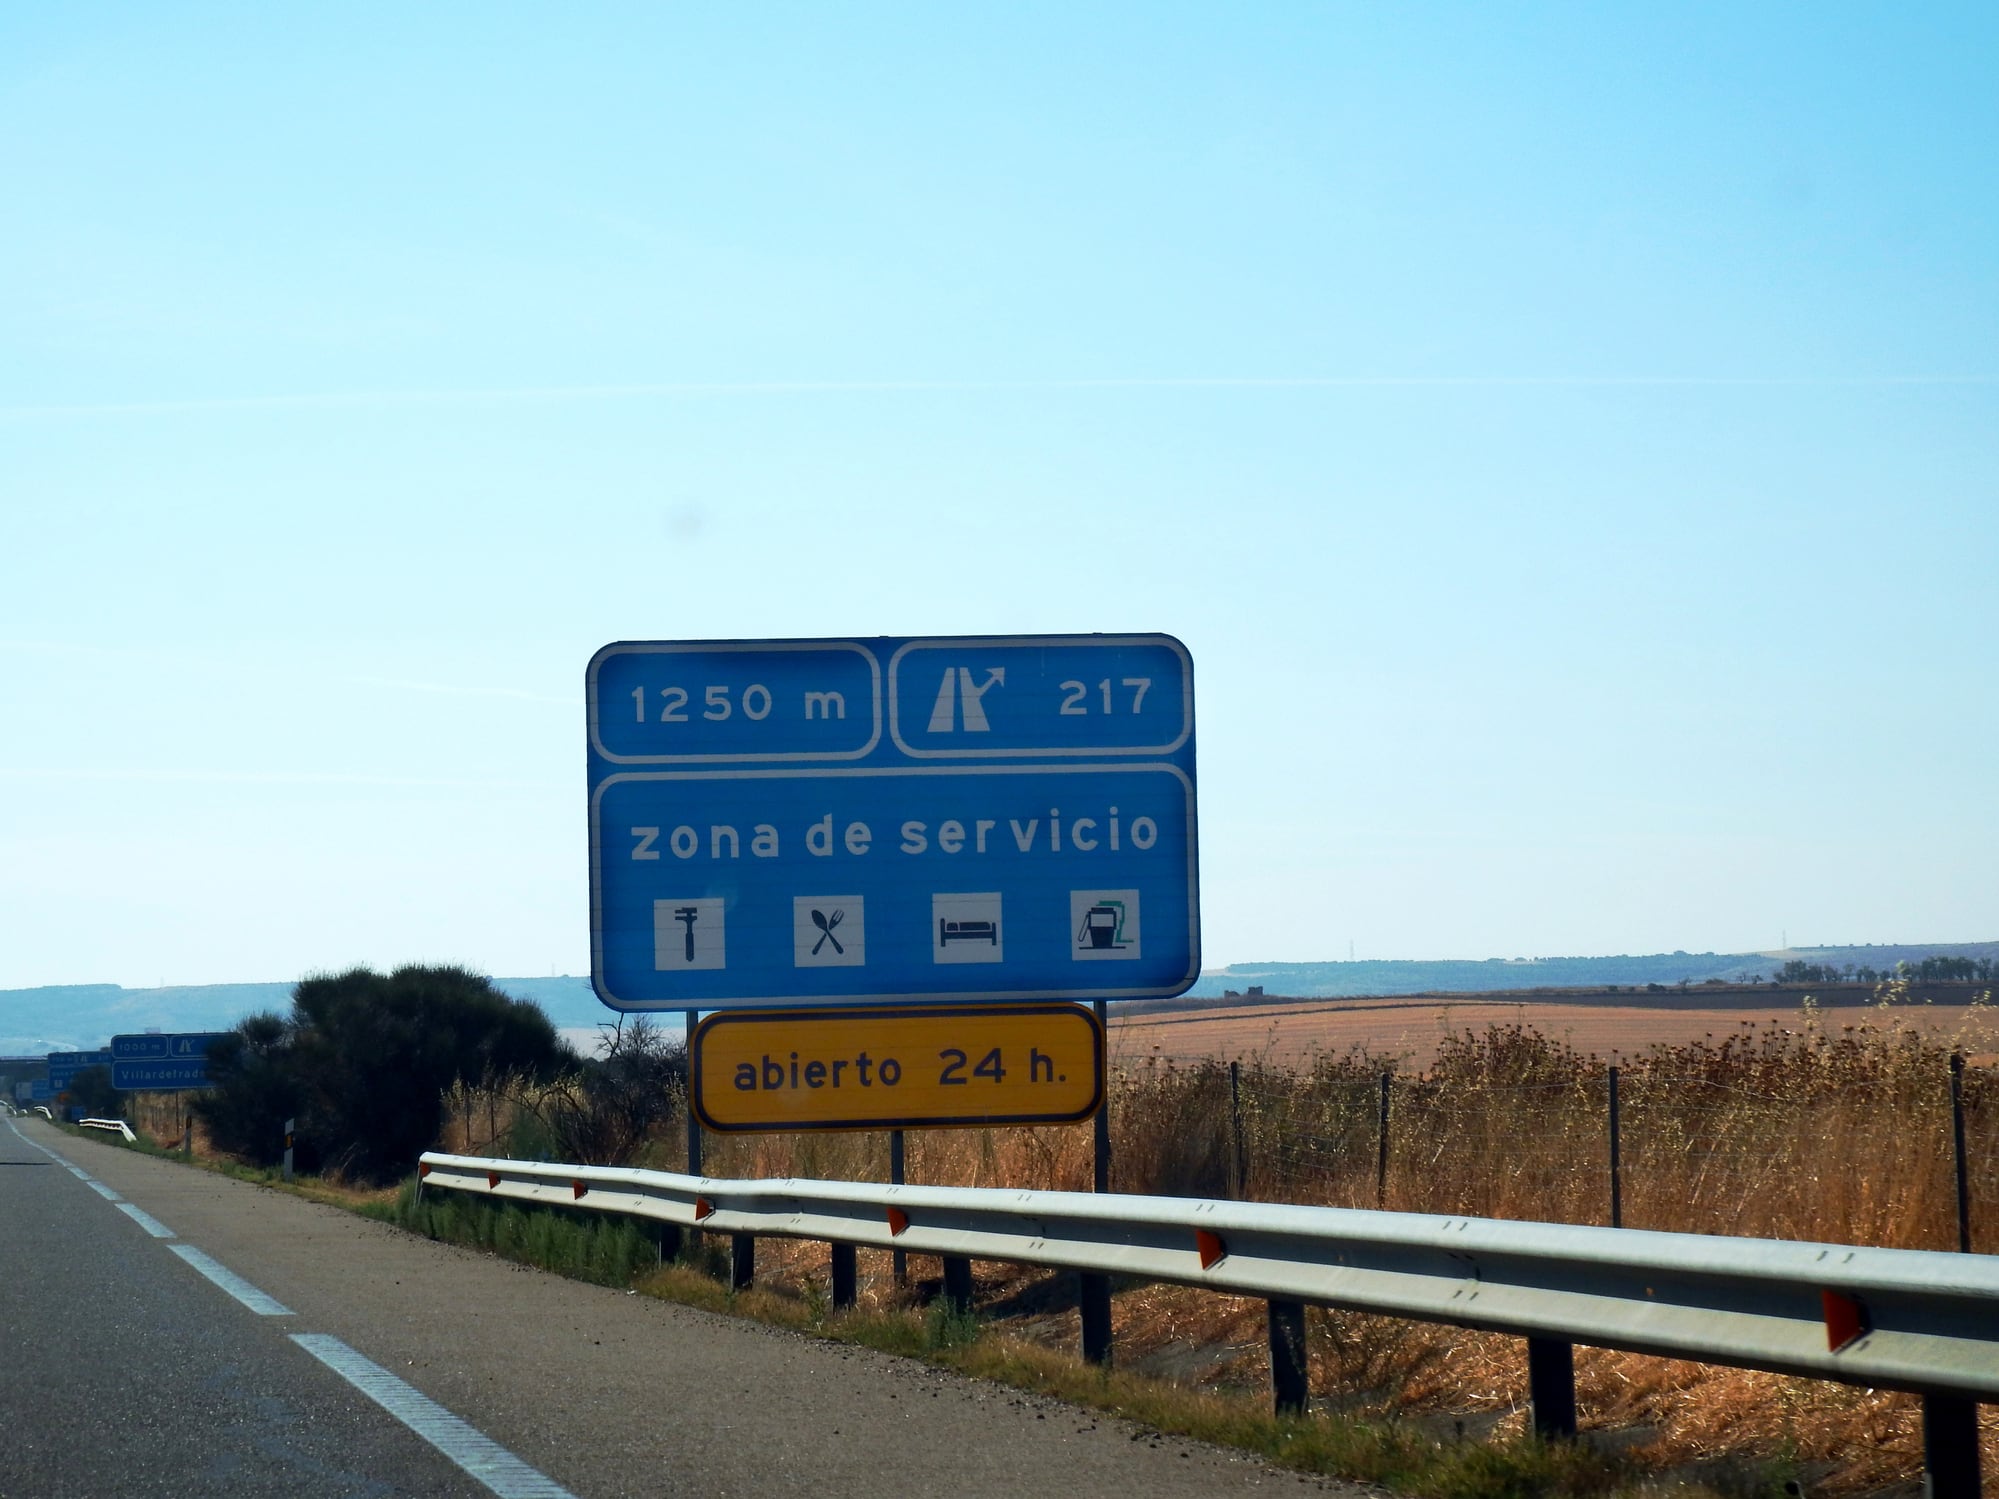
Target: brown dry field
[1410,1027]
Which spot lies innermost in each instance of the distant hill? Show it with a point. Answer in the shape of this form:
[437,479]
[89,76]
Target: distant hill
[1418,976]
[79,1017]
[68,1017]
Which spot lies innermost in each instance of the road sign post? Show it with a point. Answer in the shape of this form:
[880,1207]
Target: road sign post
[945,821]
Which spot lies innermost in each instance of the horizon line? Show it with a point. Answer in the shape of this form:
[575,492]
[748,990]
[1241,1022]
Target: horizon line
[517,394]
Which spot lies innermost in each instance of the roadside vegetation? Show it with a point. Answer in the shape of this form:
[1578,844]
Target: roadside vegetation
[1836,1132]
[361,1063]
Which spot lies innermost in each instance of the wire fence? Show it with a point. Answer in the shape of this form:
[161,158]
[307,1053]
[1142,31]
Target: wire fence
[1865,1136]
[1904,1155]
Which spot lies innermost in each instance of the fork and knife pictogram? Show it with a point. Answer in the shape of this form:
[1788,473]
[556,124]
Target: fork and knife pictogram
[826,924]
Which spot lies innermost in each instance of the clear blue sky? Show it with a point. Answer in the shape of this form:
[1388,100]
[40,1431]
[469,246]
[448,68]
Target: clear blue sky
[1565,437]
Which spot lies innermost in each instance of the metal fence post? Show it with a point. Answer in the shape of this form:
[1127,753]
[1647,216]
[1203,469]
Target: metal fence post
[742,1261]
[1551,1387]
[1950,1448]
[1093,1292]
[897,1165]
[1616,1159]
[1289,1370]
[1235,1124]
[1381,1163]
[1957,1143]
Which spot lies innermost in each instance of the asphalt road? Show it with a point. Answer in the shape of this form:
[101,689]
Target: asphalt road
[130,1370]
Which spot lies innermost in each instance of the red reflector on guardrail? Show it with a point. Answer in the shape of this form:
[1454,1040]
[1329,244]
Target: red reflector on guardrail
[1845,1320]
[898,1220]
[702,1208]
[578,1188]
[492,1178]
[1211,1247]
[423,1168]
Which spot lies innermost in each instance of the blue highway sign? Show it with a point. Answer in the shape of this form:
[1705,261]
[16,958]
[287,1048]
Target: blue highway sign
[154,1046]
[826,821]
[161,1063]
[145,1076]
[65,1065]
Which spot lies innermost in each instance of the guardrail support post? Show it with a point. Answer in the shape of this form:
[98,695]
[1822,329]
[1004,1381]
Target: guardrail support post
[743,1261]
[1095,1305]
[668,1242]
[1288,1368]
[1551,1387]
[846,1278]
[958,1282]
[1950,1448]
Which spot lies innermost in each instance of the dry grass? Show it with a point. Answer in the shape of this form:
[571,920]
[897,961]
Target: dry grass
[1830,1127]
[1821,1125]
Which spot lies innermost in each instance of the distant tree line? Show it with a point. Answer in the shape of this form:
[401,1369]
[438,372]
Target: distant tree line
[1934,970]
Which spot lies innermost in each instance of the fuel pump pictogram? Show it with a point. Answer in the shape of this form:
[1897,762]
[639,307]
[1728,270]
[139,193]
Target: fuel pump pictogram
[1103,926]
[1106,925]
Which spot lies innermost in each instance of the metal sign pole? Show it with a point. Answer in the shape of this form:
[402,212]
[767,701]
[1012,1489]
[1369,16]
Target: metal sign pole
[1094,1291]
[693,1018]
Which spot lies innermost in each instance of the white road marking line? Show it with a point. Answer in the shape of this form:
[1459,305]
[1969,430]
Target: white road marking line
[105,1192]
[473,1451]
[231,1282]
[145,1220]
[76,1171]
[35,1144]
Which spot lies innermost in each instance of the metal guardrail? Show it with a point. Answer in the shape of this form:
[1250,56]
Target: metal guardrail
[114,1126]
[1917,1320]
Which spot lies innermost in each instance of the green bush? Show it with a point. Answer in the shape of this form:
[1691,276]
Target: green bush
[361,1063]
[91,1093]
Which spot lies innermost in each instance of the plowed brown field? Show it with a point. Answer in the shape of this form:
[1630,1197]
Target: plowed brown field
[1290,1032]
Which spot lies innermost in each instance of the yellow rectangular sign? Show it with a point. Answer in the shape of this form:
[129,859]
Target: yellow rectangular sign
[897,1067]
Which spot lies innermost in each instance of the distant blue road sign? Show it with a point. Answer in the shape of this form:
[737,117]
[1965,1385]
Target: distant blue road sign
[144,1076]
[153,1046]
[157,1062]
[65,1065]
[820,822]
[40,1092]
